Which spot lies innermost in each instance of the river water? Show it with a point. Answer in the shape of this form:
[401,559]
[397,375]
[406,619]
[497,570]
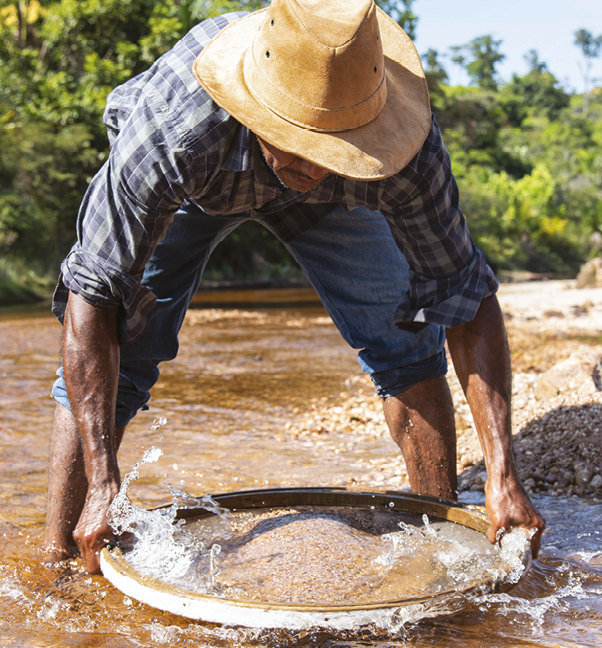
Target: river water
[242,376]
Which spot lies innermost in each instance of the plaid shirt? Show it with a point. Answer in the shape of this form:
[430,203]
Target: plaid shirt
[171,143]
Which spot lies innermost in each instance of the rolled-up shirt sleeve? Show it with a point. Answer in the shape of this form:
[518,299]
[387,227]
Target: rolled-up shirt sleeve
[125,213]
[449,276]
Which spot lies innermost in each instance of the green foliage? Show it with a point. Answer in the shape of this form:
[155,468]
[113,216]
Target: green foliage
[543,221]
[58,63]
[527,154]
[472,118]
[589,44]
[526,211]
[435,72]
[529,167]
[12,291]
[590,47]
[44,174]
[251,251]
[536,93]
[480,57]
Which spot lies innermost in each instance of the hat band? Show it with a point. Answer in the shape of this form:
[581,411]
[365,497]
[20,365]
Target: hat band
[313,118]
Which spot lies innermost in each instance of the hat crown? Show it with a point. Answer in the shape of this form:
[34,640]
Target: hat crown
[332,23]
[319,63]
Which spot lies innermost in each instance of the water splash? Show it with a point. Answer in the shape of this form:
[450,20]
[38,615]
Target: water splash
[158,423]
[156,542]
[454,561]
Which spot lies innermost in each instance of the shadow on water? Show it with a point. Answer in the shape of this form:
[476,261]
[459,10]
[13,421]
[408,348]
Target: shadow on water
[227,414]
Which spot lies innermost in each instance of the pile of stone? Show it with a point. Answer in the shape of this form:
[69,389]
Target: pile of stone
[590,275]
[558,452]
[557,430]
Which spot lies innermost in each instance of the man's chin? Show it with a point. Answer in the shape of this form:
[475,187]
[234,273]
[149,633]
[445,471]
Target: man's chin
[296,184]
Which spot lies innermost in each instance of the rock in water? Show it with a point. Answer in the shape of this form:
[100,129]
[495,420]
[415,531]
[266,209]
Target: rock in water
[590,275]
[576,374]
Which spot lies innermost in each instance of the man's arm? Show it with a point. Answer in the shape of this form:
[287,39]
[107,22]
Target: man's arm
[480,354]
[91,366]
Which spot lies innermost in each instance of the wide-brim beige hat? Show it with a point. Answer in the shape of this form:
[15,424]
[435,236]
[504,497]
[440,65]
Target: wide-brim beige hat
[336,82]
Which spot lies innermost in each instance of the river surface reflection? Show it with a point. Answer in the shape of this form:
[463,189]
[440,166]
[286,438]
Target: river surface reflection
[241,378]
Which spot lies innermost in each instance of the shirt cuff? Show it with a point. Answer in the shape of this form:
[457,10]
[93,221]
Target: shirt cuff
[447,302]
[99,283]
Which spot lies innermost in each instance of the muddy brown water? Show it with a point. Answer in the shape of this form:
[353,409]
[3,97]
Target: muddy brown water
[241,377]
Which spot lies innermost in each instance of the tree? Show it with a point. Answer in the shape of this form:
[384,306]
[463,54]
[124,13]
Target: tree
[436,73]
[590,47]
[527,158]
[480,57]
[537,92]
[21,16]
[535,65]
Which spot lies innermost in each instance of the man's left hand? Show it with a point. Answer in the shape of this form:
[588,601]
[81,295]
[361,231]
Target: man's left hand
[508,507]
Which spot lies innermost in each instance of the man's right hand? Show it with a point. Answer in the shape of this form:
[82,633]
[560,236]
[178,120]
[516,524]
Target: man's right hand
[93,532]
[91,368]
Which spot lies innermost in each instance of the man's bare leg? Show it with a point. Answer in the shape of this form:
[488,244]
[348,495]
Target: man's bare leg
[421,422]
[67,485]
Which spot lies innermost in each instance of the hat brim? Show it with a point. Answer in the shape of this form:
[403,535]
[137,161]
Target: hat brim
[374,151]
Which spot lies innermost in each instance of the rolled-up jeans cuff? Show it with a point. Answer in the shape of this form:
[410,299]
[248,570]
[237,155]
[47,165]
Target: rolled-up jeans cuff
[127,405]
[59,390]
[394,381]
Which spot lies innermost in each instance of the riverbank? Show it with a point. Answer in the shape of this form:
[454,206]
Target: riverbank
[22,286]
[12,293]
[556,350]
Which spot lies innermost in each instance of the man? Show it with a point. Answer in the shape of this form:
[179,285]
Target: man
[311,116]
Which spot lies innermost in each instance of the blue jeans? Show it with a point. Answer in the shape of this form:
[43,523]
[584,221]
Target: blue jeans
[351,260]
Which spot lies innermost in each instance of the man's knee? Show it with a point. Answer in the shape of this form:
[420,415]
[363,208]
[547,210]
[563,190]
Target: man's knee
[132,396]
[392,382]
